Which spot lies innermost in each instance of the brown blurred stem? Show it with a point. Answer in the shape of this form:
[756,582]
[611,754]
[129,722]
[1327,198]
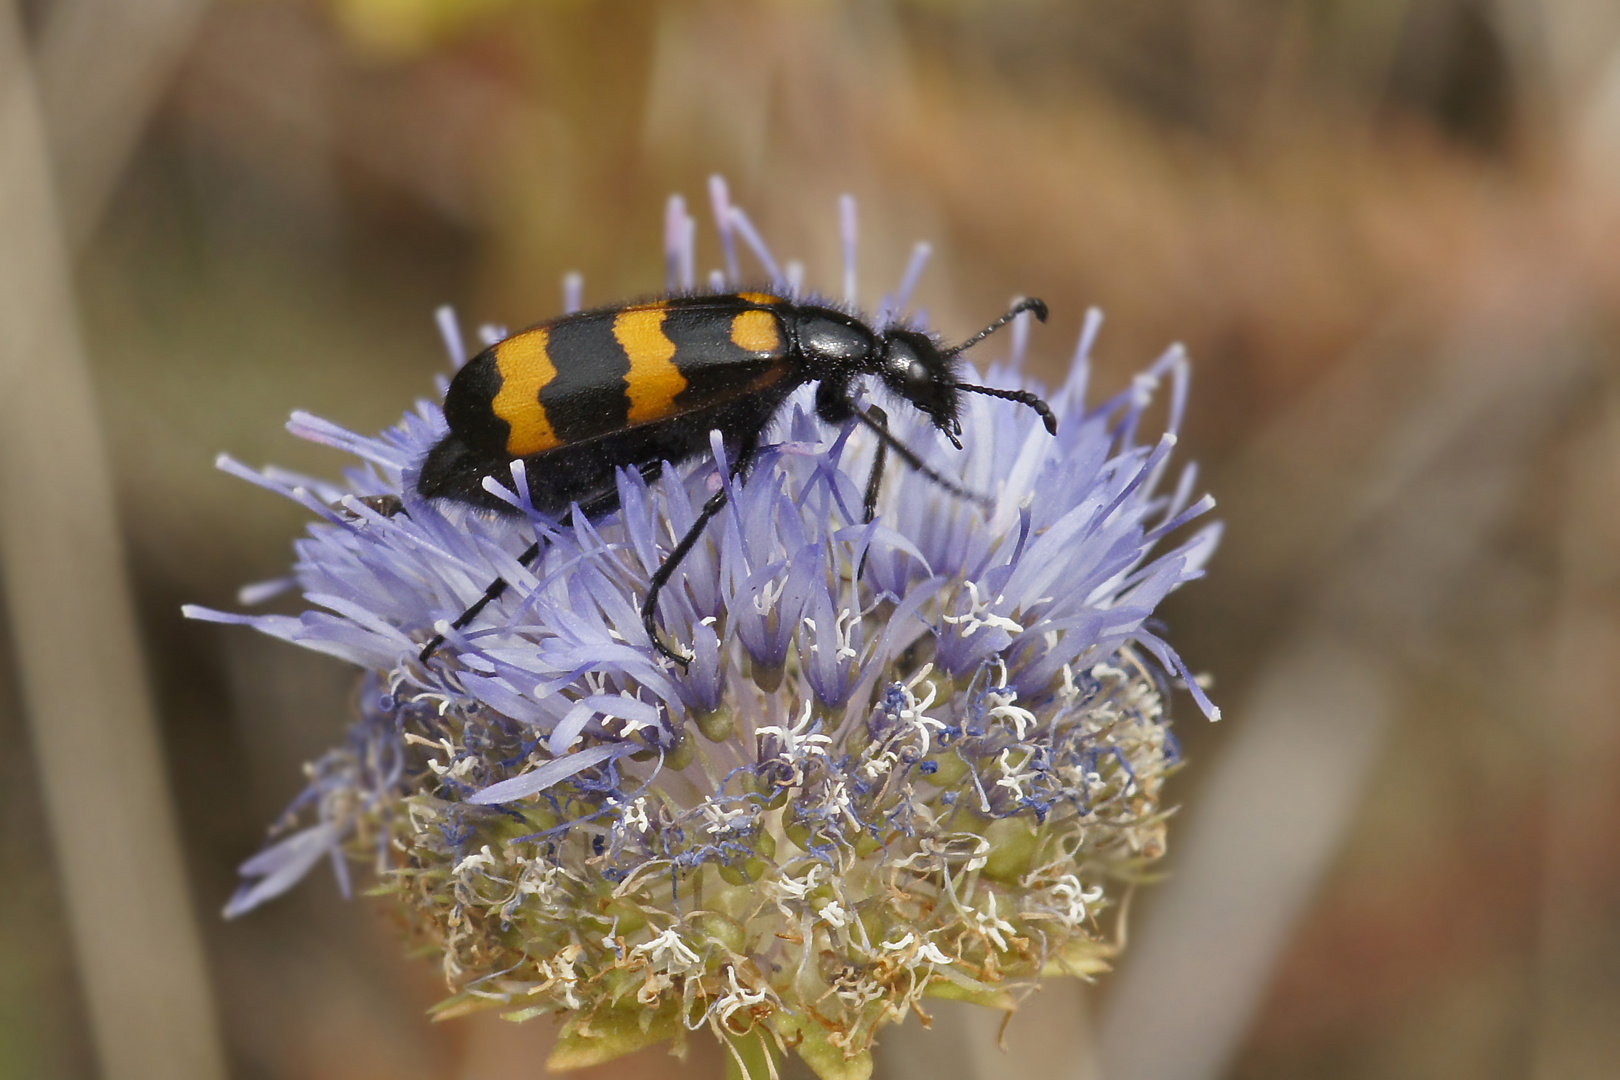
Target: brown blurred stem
[1276,805]
[102,66]
[73,625]
[1578,951]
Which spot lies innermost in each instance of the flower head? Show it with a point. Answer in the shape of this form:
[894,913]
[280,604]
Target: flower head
[909,757]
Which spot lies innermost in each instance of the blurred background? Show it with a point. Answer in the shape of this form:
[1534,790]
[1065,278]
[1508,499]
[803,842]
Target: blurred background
[1388,231]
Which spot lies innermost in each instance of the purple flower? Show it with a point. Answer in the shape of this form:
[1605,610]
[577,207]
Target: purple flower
[910,757]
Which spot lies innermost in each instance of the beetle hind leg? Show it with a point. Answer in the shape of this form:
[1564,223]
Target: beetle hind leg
[497,588]
[495,591]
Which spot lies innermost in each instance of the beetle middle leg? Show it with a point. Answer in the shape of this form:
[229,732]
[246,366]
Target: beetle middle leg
[683,548]
[667,568]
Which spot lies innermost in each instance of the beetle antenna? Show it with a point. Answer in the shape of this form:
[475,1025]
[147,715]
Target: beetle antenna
[1029,303]
[1023,397]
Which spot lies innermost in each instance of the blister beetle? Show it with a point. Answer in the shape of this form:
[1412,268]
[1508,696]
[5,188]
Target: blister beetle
[640,384]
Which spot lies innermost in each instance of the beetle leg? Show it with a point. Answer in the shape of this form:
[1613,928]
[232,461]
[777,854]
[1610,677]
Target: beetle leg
[834,403]
[672,561]
[874,482]
[496,590]
[909,456]
[666,569]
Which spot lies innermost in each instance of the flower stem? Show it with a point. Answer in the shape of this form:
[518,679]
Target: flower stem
[752,1056]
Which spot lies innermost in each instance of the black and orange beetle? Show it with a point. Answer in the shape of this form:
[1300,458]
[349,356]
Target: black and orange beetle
[642,384]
